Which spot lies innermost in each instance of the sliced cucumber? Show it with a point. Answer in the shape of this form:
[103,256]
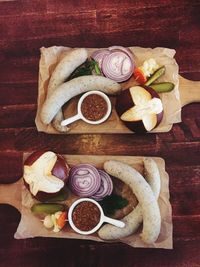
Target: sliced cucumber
[162,87]
[47,208]
[157,74]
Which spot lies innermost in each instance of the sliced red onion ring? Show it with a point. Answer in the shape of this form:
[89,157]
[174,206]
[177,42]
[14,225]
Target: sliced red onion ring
[118,66]
[99,55]
[106,187]
[84,180]
[123,49]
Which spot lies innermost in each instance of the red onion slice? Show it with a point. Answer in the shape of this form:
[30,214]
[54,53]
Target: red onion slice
[106,187]
[118,66]
[84,180]
[99,55]
[123,49]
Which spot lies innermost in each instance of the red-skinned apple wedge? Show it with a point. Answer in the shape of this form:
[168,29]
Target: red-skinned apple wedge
[45,174]
[140,108]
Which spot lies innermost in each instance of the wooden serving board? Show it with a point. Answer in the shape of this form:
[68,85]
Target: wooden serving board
[184,92]
[30,226]
[189,93]
[11,193]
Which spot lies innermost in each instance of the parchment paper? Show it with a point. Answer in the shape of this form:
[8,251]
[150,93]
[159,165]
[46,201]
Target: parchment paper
[171,101]
[30,226]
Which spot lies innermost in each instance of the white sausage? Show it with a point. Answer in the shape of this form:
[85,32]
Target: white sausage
[73,59]
[74,87]
[132,222]
[152,175]
[147,209]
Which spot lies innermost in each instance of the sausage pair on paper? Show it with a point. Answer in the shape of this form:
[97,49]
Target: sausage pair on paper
[60,92]
[147,192]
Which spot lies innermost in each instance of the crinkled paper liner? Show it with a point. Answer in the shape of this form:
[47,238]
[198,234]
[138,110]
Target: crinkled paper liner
[171,101]
[30,226]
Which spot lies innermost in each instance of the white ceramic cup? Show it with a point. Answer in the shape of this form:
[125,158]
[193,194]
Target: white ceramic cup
[79,115]
[103,218]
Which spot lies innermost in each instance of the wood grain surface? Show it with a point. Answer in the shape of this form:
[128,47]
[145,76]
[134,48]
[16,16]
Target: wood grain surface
[27,25]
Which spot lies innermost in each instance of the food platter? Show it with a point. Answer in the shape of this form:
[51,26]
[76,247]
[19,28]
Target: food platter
[61,103]
[172,101]
[18,196]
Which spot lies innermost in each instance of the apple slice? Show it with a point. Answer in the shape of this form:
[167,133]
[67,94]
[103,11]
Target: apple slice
[45,174]
[39,176]
[140,108]
[149,121]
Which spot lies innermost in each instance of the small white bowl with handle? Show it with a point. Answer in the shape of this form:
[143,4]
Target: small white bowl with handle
[79,115]
[103,218]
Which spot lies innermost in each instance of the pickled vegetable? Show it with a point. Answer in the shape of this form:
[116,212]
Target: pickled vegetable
[163,87]
[157,74]
[47,208]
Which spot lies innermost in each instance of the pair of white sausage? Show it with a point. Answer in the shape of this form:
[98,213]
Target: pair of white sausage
[147,192]
[60,92]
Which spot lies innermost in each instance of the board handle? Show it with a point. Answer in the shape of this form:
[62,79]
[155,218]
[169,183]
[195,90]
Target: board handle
[189,91]
[11,194]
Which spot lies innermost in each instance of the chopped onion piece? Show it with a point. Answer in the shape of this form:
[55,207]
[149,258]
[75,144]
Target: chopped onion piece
[117,66]
[84,180]
[99,55]
[123,49]
[106,187]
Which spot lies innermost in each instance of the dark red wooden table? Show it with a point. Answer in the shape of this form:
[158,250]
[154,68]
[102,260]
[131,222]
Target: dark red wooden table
[27,25]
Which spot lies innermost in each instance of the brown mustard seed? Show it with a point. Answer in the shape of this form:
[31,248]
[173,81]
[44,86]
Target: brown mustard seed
[86,216]
[94,107]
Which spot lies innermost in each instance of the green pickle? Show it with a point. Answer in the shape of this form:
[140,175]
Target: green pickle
[47,208]
[162,87]
[157,74]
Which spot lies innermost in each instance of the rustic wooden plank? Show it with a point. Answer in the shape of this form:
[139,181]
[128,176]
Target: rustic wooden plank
[191,109]
[28,25]
[184,152]
[182,132]
[21,7]
[186,227]
[37,25]
[190,35]
[13,94]
[110,20]
[94,39]
[191,75]
[186,202]
[187,59]
[19,70]
[29,140]
[126,17]
[194,126]
[184,181]
[11,167]
[191,118]
[17,116]
[26,113]
[105,19]
[61,6]
[184,188]
[184,254]
[157,38]
[25,54]
[149,144]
